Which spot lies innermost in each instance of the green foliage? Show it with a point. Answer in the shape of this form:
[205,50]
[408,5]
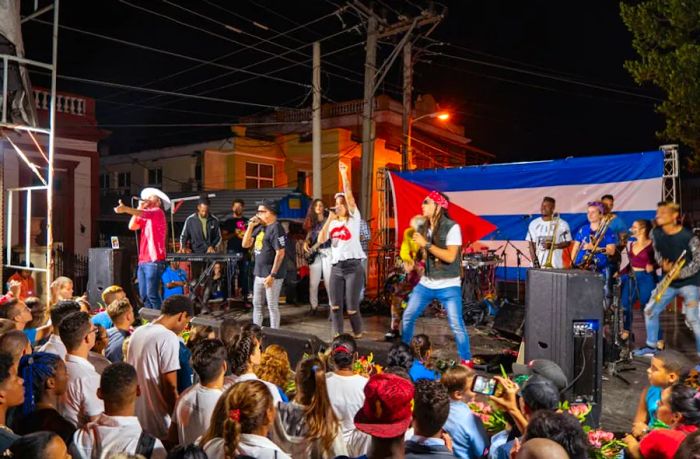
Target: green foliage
[666,35]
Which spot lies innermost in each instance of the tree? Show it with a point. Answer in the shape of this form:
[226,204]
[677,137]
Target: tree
[666,35]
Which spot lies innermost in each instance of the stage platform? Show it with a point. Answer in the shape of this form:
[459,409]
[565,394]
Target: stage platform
[619,399]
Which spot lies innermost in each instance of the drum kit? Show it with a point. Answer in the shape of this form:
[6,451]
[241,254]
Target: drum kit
[479,285]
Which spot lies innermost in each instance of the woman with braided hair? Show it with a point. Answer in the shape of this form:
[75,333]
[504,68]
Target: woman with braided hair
[346,390]
[240,424]
[307,427]
[441,281]
[244,355]
[45,381]
[421,348]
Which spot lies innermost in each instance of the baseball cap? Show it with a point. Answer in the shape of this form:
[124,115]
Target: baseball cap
[270,205]
[388,408]
[545,368]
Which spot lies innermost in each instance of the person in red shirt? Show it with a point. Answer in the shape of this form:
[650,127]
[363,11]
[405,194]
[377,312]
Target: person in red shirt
[679,408]
[149,218]
[24,277]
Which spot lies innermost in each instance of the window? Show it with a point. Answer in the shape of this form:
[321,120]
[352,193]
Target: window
[105,182]
[155,176]
[124,180]
[259,175]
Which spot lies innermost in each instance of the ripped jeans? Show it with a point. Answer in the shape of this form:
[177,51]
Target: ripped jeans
[653,309]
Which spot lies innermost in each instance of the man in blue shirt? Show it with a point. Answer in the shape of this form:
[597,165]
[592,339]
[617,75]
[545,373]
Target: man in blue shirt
[174,280]
[584,239]
[617,225]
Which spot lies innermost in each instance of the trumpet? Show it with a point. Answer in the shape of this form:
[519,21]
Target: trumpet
[550,253]
[670,276]
[589,257]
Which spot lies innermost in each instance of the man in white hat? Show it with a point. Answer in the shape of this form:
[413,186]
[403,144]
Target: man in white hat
[149,217]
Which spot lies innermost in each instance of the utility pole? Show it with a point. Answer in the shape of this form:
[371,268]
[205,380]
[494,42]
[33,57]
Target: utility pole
[368,118]
[316,124]
[374,78]
[406,158]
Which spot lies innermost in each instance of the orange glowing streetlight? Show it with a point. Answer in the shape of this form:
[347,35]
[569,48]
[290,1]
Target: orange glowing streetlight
[407,160]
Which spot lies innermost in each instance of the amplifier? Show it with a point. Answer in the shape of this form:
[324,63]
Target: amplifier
[563,324]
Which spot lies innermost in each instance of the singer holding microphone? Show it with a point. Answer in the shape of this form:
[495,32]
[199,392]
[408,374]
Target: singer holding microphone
[268,238]
[149,217]
[347,274]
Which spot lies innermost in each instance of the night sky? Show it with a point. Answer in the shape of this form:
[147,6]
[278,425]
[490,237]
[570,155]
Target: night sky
[514,115]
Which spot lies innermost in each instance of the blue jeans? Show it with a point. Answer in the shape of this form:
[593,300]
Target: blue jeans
[633,289]
[148,275]
[451,299]
[653,309]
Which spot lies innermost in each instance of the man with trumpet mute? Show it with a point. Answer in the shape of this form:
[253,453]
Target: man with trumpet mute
[548,235]
[677,251]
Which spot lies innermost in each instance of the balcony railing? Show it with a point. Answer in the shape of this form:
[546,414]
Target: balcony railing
[64,103]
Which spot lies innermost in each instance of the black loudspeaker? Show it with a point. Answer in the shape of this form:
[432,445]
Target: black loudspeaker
[295,343]
[510,320]
[564,323]
[107,267]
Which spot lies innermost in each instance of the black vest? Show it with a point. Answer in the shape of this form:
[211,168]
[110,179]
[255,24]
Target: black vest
[436,268]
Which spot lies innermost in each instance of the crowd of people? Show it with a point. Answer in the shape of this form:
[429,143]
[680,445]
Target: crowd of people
[93,383]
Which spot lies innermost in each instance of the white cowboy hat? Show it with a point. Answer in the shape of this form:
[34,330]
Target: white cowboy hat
[148,192]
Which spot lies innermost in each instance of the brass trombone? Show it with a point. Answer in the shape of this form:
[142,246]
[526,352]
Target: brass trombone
[596,239]
[550,253]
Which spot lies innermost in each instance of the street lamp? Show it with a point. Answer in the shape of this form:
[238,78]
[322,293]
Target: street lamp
[442,116]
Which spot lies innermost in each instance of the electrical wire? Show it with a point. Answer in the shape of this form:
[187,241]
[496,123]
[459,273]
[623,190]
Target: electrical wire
[172,54]
[233,53]
[544,75]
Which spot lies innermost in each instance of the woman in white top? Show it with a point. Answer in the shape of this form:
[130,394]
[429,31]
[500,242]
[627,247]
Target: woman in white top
[240,423]
[307,427]
[346,389]
[244,354]
[347,275]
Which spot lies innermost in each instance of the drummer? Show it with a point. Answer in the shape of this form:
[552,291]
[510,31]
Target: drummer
[541,237]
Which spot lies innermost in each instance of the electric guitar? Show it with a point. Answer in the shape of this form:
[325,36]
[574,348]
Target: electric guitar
[313,252]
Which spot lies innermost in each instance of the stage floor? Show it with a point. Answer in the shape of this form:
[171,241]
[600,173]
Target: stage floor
[619,399]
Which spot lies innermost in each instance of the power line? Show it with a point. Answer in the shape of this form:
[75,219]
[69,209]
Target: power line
[190,69]
[527,64]
[173,54]
[537,86]
[157,91]
[543,75]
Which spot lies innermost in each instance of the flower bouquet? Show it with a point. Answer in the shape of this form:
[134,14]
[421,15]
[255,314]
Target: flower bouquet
[494,419]
[366,367]
[602,444]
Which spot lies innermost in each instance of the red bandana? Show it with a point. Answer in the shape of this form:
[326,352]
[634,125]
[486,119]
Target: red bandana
[439,199]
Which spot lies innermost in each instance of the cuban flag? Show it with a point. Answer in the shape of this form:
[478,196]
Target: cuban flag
[494,204]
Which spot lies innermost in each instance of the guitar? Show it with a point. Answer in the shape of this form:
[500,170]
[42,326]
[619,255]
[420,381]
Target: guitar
[313,252]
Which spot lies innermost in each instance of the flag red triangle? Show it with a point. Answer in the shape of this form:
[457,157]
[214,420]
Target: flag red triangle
[409,197]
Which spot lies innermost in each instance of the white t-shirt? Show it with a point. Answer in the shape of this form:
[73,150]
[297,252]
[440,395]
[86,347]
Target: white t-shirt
[276,397]
[541,231]
[249,445]
[54,345]
[454,237]
[153,351]
[109,435]
[193,412]
[80,401]
[347,395]
[345,239]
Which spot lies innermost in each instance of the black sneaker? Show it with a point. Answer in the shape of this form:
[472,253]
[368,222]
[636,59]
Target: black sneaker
[392,335]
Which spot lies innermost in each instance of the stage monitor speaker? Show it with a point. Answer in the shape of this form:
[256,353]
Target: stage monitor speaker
[510,320]
[107,267]
[295,343]
[564,323]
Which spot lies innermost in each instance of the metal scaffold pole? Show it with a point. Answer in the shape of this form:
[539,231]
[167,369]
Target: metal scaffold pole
[52,141]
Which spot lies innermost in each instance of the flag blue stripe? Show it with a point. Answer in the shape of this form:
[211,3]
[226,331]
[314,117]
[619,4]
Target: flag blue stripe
[514,227]
[570,171]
